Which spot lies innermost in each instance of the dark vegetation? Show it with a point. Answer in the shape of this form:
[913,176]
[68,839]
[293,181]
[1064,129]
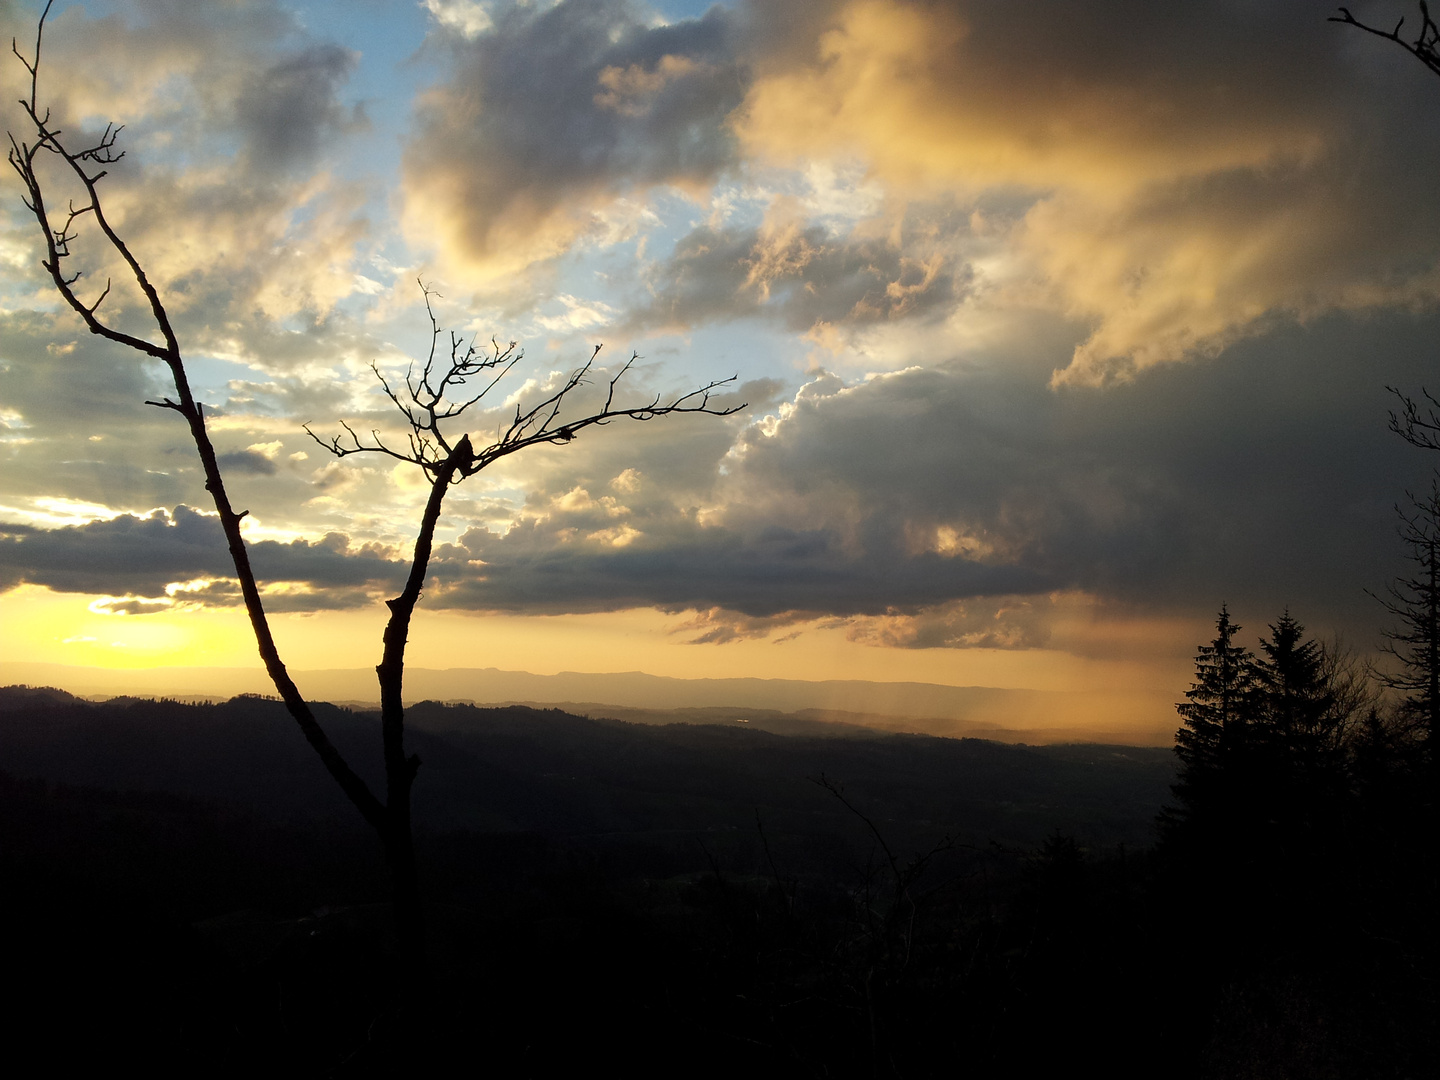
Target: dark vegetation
[187,888]
[1301,855]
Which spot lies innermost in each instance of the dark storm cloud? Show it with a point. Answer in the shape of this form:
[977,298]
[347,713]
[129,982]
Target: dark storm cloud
[143,555]
[1264,478]
[246,461]
[559,110]
[127,554]
[1267,474]
[764,573]
[800,276]
[287,112]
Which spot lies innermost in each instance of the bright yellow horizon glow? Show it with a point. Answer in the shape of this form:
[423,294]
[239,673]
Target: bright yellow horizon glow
[39,626]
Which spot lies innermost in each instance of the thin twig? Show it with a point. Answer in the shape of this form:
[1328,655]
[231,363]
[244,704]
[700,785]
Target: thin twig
[1425,47]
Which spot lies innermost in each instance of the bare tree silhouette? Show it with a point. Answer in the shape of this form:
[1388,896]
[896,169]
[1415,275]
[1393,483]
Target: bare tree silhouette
[885,923]
[437,395]
[1416,423]
[1414,601]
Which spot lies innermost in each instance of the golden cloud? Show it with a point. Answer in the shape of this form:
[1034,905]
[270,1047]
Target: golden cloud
[933,109]
[513,163]
[631,90]
[1185,174]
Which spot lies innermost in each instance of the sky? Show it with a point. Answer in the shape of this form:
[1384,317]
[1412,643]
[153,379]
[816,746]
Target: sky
[1057,326]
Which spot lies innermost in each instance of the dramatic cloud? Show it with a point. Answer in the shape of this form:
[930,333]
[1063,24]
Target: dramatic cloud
[936,507]
[955,249]
[800,275]
[904,498]
[182,556]
[244,226]
[288,111]
[554,114]
[1191,169]
[1171,179]
[1005,622]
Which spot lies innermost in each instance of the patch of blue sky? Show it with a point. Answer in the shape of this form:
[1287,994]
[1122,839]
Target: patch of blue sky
[680,10]
[749,348]
[215,381]
[390,70]
[598,286]
[644,232]
[96,9]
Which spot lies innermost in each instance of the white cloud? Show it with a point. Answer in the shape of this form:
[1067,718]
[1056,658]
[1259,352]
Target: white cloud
[468,18]
[579,315]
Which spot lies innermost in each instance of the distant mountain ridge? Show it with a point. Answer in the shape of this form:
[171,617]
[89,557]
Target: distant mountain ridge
[514,770]
[961,711]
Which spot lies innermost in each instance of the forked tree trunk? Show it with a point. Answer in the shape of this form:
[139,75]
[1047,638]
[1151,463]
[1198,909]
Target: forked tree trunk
[400,769]
[539,425]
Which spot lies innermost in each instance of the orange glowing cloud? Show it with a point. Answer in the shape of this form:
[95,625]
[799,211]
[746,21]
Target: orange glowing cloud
[1180,177]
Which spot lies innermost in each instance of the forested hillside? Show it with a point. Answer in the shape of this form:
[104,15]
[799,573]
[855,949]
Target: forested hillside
[895,905]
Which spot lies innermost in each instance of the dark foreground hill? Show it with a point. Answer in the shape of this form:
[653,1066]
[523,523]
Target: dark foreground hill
[516,769]
[184,888]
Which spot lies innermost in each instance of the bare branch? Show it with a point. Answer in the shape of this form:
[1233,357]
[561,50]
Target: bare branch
[430,405]
[22,157]
[57,242]
[838,791]
[523,432]
[1417,424]
[34,69]
[1426,45]
[101,298]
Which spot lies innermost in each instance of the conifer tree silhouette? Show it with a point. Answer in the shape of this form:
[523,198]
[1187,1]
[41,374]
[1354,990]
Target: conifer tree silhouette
[1300,742]
[1213,741]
